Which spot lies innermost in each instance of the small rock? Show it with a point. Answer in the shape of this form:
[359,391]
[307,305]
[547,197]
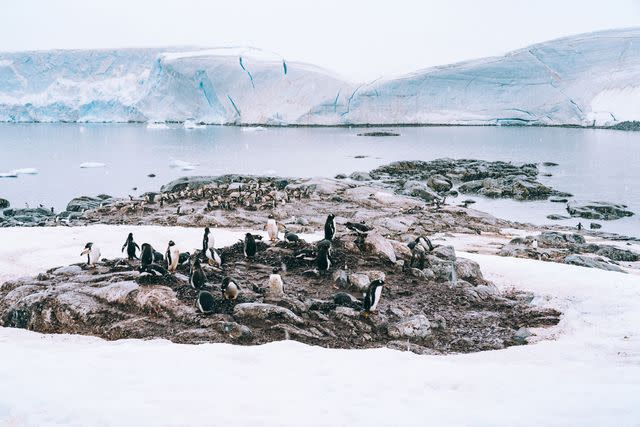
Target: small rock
[68,270]
[521,335]
[595,226]
[444,252]
[265,312]
[413,327]
[376,243]
[360,281]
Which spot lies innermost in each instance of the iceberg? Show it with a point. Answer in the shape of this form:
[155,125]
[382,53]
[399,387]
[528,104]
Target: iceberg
[25,171]
[585,80]
[156,126]
[182,165]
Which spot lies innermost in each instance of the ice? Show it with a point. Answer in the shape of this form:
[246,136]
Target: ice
[182,165]
[588,79]
[25,171]
[584,371]
[191,124]
[8,175]
[88,165]
[157,126]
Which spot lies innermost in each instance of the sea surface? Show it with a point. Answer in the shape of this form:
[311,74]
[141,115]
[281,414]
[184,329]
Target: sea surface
[594,164]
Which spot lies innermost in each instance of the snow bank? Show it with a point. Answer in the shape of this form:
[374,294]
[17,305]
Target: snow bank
[583,80]
[588,374]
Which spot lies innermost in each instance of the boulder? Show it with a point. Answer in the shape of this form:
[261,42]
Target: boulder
[598,210]
[84,203]
[378,244]
[469,271]
[359,281]
[4,203]
[591,262]
[414,327]
[254,311]
[187,182]
[556,239]
[595,226]
[69,270]
[556,217]
[420,190]
[444,252]
[360,176]
[439,183]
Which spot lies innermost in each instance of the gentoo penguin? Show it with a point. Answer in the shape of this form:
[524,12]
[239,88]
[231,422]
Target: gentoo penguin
[197,278]
[158,257]
[146,255]
[330,227]
[372,297]
[290,237]
[184,258]
[534,244]
[323,260]
[208,249]
[131,246]
[272,228]
[230,288]
[173,256]
[579,226]
[208,240]
[249,245]
[205,302]
[358,227]
[92,252]
[425,242]
[418,253]
[276,287]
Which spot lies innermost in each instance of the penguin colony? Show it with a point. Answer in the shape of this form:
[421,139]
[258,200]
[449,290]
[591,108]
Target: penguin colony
[155,264]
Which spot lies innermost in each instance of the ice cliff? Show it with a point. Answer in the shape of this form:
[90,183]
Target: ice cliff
[590,79]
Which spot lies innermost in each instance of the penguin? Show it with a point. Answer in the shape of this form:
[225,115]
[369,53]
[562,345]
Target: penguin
[173,256]
[157,256]
[579,226]
[418,253]
[425,243]
[205,302]
[131,246]
[358,227]
[249,245]
[534,244]
[272,228]
[183,258]
[230,288]
[197,278]
[372,297]
[92,252]
[153,270]
[323,259]
[146,255]
[276,286]
[290,237]
[330,227]
[208,248]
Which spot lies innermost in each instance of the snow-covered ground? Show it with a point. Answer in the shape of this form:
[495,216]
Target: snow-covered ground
[583,80]
[585,372]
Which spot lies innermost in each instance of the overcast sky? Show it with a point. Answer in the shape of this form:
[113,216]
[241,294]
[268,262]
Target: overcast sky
[358,39]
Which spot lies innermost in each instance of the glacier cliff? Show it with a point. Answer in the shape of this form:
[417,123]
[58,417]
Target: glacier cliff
[586,80]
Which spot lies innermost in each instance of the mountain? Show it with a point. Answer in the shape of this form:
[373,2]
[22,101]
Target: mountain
[585,80]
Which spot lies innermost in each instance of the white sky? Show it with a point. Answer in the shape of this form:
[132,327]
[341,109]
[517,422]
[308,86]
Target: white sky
[358,39]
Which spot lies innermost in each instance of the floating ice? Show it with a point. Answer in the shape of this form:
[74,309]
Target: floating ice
[8,175]
[191,124]
[182,165]
[253,128]
[157,126]
[88,165]
[25,171]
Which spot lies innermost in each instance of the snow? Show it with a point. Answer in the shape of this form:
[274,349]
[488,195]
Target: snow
[586,371]
[27,255]
[588,79]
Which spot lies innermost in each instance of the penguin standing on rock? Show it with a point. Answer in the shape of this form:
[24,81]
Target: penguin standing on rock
[93,254]
[330,227]
[372,297]
[249,245]
[173,256]
[272,228]
[146,255]
[131,246]
[230,289]
[197,278]
[205,302]
[209,250]
[276,286]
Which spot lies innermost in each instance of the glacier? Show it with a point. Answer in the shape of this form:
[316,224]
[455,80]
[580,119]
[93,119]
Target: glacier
[584,80]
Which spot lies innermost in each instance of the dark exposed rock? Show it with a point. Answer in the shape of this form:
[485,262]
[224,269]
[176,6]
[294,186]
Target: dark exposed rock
[84,203]
[591,262]
[379,133]
[595,226]
[4,203]
[557,217]
[598,210]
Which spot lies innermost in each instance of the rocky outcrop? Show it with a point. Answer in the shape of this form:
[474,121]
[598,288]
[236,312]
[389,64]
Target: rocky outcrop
[591,262]
[598,210]
[84,203]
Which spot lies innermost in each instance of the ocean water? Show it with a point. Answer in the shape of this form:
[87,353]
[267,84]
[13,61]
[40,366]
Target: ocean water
[594,164]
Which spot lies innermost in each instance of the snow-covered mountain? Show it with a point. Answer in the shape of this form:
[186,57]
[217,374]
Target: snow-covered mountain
[591,79]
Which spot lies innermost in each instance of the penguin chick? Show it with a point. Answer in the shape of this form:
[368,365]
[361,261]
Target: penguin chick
[146,255]
[290,237]
[92,252]
[230,289]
